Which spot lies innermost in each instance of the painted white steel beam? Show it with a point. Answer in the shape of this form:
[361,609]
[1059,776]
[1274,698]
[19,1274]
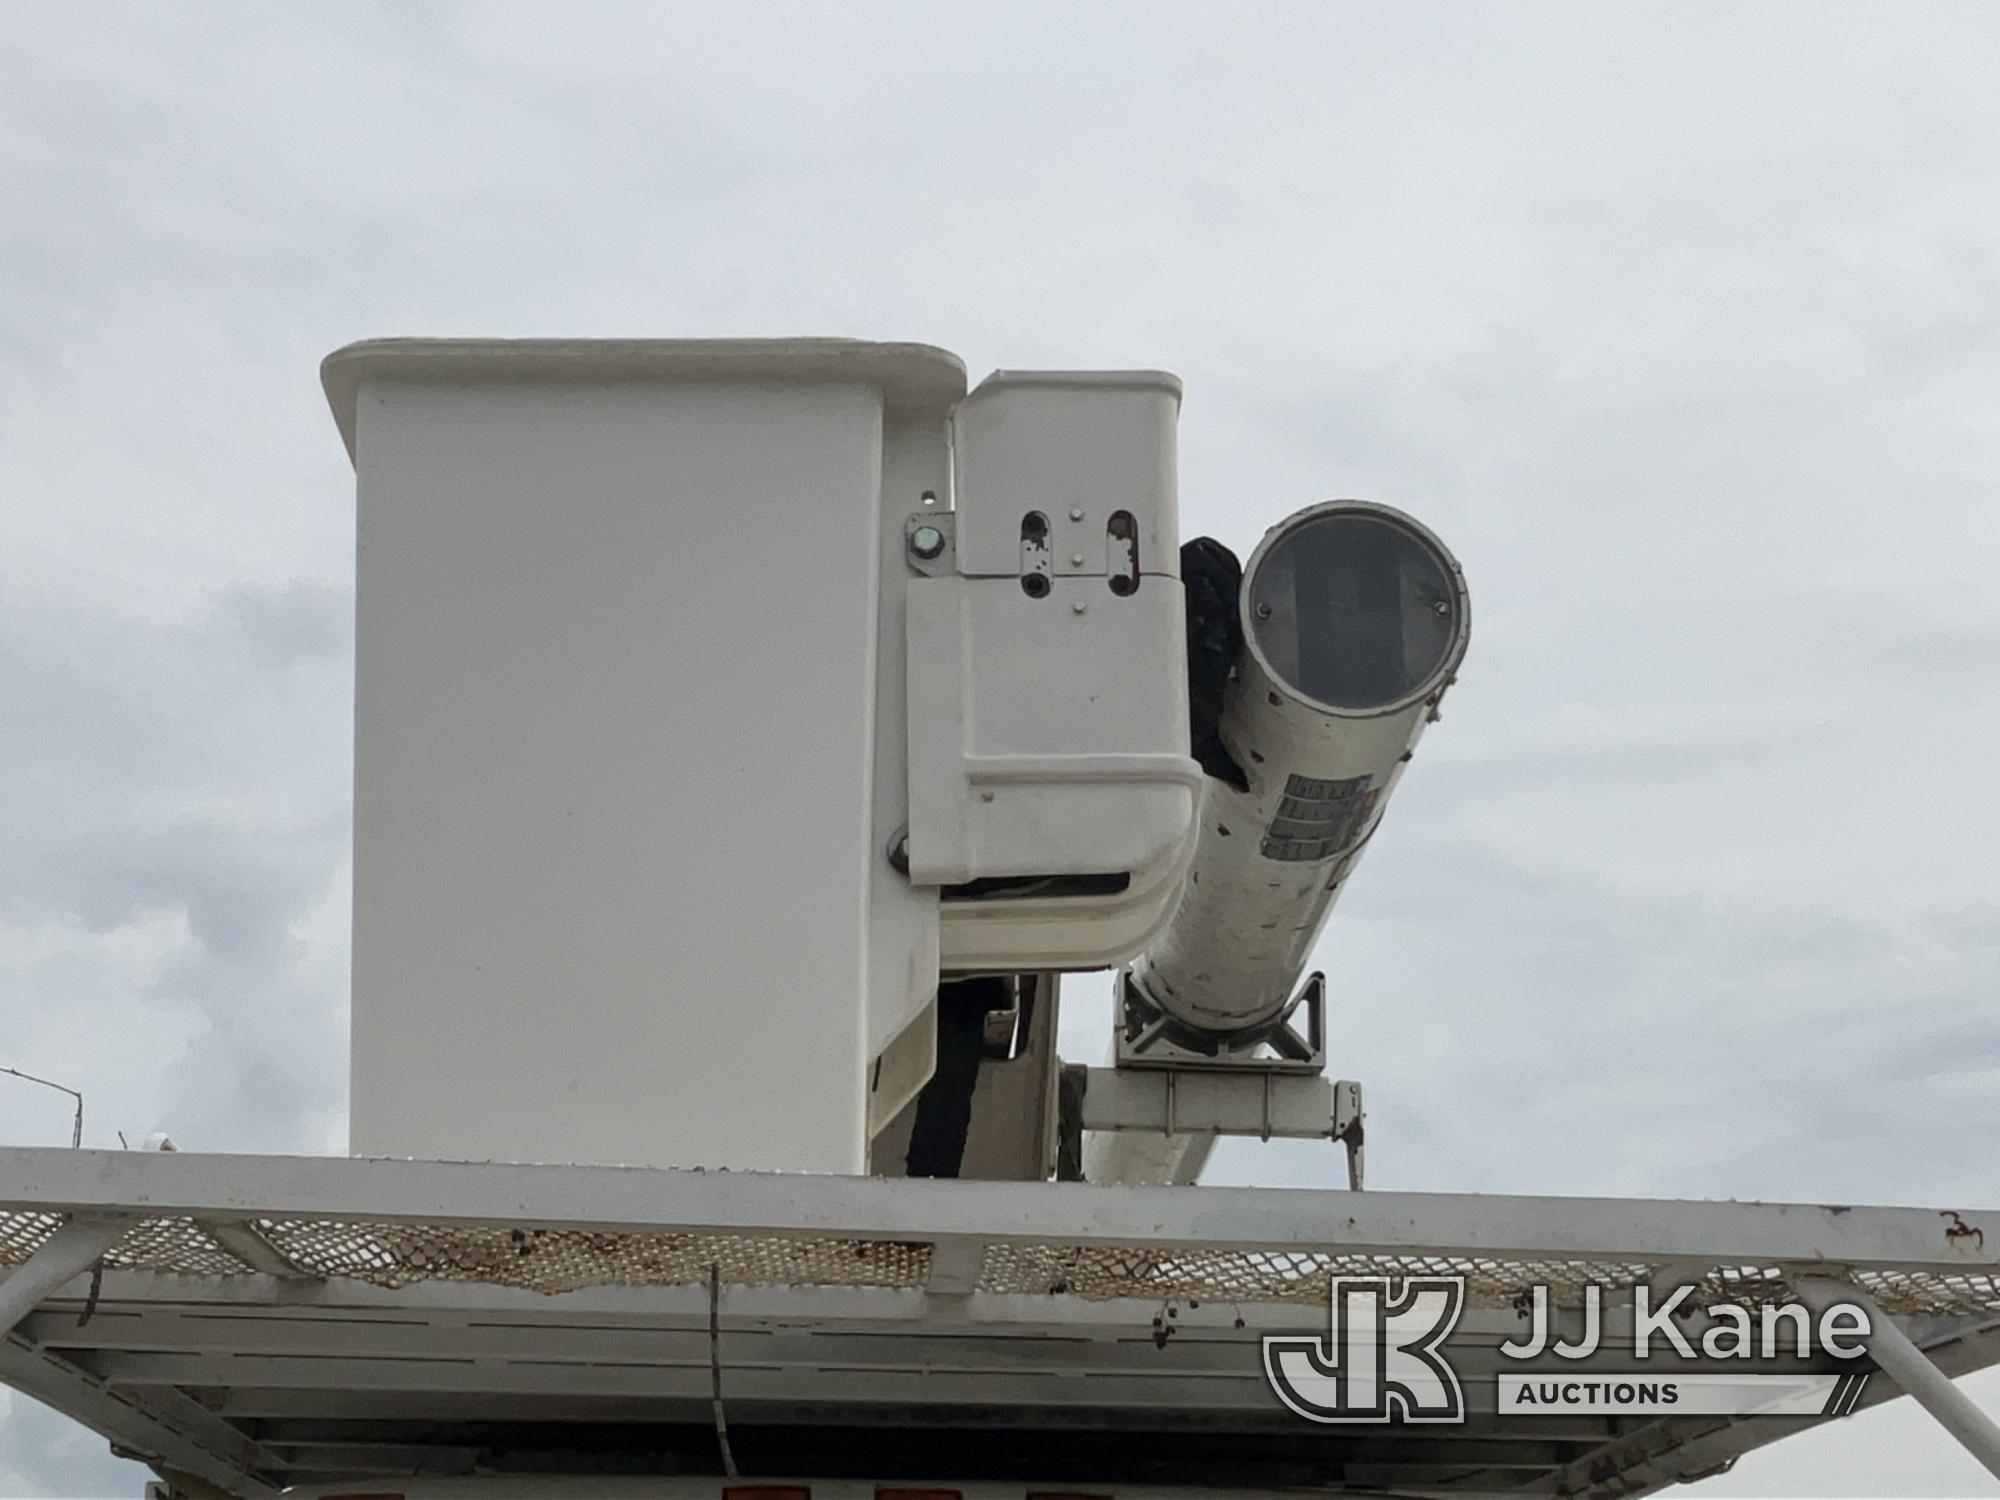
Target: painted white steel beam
[73,1249]
[1903,1362]
[1243,1391]
[247,1243]
[614,1199]
[159,1426]
[1165,1101]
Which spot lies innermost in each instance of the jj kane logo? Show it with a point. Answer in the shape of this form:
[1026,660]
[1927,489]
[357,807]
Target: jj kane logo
[1384,1357]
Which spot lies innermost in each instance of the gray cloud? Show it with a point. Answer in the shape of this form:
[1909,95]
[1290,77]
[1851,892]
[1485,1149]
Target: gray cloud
[1678,324]
[46,1453]
[175,824]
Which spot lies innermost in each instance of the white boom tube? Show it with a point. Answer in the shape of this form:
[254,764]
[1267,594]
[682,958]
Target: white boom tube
[1355,619]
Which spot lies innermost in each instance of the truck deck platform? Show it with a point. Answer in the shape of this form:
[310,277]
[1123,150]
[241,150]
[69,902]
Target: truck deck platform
[258,1322]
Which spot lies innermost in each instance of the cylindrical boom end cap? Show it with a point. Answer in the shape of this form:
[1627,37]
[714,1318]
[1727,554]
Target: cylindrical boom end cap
[1354,608]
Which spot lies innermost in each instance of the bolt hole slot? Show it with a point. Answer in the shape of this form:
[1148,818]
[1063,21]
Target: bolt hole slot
[1037,566]
[1121,540]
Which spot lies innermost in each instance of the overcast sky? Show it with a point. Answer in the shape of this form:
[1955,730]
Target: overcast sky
[1678,323]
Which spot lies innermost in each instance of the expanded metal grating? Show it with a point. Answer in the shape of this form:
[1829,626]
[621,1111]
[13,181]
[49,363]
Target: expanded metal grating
[1101,1273]
[566,1260]
[21,1235]
[555,1261]
[177,1246]
[1903,1294]
[174,1245]
[1927,1294]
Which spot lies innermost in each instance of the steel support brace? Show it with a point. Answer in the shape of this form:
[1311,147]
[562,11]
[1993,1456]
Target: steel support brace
[247,1244]
[73,1249]
[1160,1124]
[1168,1101]
[1903,1362]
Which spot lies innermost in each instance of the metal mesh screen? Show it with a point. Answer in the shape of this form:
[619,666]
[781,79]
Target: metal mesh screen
[564,1260]
[21,1235]
[176,1245]
[1919,1293]
[1099,1273]
[554,1261]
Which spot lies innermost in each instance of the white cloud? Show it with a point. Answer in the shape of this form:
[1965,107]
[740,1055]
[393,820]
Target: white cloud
[1677,322]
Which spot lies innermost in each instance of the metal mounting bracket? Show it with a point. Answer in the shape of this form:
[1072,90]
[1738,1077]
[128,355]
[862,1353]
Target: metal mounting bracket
[1150,1037]
[930,543]
[1195,1102]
